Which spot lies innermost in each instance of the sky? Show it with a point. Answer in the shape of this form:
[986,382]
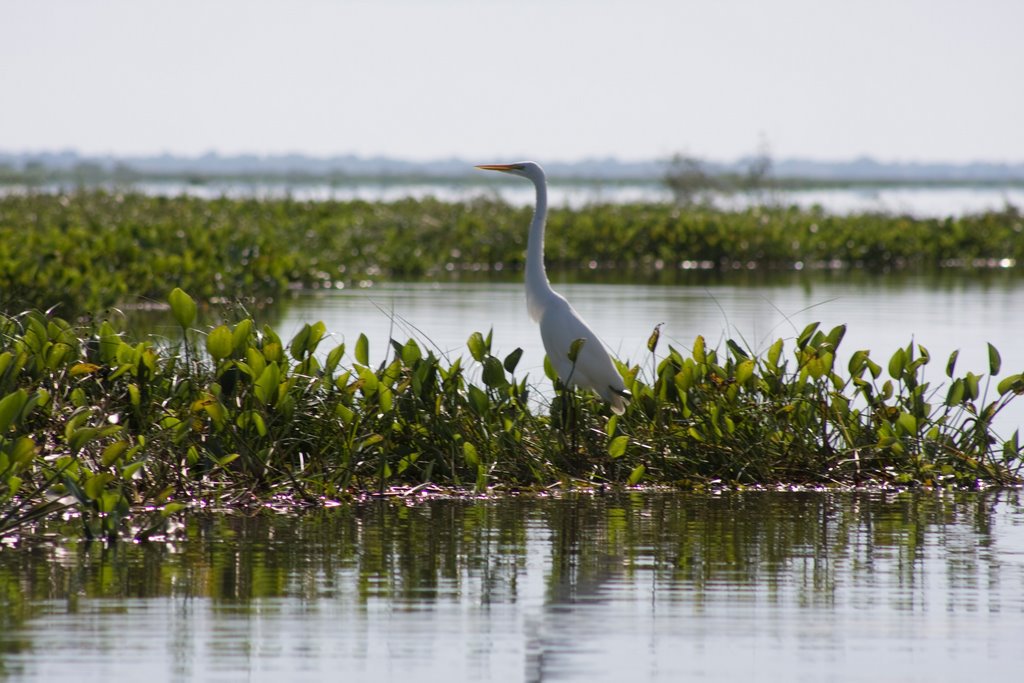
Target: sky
[494,80]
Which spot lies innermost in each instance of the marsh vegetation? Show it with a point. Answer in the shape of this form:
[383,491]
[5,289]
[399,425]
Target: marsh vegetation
[123,430]
[88,251]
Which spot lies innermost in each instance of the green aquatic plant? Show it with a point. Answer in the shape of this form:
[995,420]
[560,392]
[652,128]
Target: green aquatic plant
[86,251]
[107,427]
[741,417]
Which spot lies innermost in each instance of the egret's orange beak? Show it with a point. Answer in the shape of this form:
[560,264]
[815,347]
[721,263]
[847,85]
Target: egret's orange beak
[499,167]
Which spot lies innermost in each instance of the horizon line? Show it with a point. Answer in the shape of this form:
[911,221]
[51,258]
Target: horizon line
[452,158]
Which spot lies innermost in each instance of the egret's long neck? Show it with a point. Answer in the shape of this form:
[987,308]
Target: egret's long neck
[537,286]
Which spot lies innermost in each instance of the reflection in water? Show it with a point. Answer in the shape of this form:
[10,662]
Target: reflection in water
[624,586]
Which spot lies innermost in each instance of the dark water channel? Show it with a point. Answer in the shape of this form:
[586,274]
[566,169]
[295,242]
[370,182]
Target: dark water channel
[778,586]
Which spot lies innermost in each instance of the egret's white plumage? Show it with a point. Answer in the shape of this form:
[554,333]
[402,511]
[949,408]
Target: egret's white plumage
[560,324]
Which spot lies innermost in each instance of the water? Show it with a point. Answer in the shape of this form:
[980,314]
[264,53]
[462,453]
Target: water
[882,313]
[931,201]
[767,586]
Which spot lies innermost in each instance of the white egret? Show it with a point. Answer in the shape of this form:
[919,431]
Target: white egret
[560,324]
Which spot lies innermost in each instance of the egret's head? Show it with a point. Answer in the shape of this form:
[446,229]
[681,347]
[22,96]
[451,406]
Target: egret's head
[525,169]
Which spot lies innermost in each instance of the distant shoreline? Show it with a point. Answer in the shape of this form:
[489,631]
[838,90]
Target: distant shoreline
[71,166]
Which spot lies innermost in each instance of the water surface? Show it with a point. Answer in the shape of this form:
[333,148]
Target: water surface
[931,201]
[769,586]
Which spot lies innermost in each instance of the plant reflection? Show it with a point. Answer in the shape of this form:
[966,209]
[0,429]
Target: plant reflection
[546,556]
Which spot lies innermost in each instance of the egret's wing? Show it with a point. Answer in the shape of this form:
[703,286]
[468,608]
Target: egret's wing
[560,326]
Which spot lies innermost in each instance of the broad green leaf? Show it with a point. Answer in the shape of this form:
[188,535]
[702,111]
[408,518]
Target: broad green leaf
[385,399]
[898,363]
[81,436]
[908,422]
[220,343]
[21,452]
[744,371]
[256,362]
[130,471]
[112,500]
[477,346]
[994,360]
[298,346]
[887,390]
[344,412]
[110,342]
[951,363]
[926,357]
[494,373]
[835,336]
[972,385]
[1011,447]
[512,360]
[10,408]
[94,485]
[684,379]
[127,354]
[134,395]
[267,384]
[251,418]
[316,335]
[1013,383]
[470,455]
[858,361]
[183,307]
[549,369]
[617,446]
[736,349]
[363,350]
[774,353]
[411,352]
[112,452]
[171,508]
[13,485]
[270,336]
[699,353]
[371,440]
[406,462]
[55,356]
[636,475]
[240,335]
[273,352]
[368,381]
[805,336]
[334,357]
[478,399]
[148,360]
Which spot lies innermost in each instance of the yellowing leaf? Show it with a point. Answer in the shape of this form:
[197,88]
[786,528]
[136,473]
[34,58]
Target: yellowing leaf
[83,369]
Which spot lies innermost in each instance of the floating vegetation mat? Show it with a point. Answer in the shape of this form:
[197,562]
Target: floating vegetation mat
[90,250]
[105,427]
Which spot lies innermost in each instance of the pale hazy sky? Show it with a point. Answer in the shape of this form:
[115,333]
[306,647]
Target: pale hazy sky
[912,80]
